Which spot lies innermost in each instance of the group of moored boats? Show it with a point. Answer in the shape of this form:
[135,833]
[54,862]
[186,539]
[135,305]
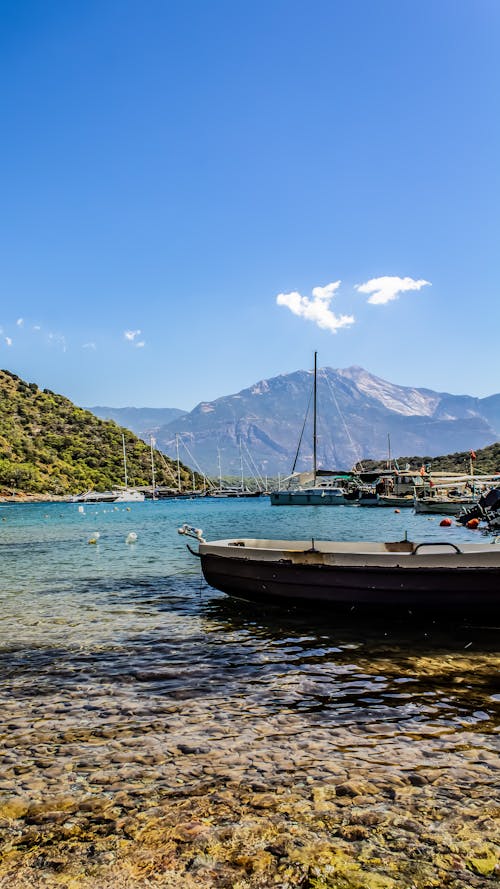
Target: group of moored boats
[435,494]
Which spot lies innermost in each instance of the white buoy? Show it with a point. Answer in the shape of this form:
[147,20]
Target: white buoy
[131,537]
[81,509]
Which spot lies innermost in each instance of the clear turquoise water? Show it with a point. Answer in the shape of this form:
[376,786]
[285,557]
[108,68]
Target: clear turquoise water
[122,672]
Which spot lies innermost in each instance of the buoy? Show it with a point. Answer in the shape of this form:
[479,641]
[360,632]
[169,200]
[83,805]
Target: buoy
[81,509]
[92,540]
[445,523]
[397,510]
[472,524]
[132,537]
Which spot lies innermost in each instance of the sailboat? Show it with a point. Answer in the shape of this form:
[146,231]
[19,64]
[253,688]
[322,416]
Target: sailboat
[116,495]
[126,494]
[321,492]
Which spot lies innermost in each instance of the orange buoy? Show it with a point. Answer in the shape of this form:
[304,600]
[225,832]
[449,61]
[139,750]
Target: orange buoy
[472,523]
[445,523]
[397,510]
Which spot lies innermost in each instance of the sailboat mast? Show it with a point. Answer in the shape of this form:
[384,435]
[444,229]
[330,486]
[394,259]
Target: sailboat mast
[315,437]
[241,468]
[153,468]
[220,469]
[124,460]
[389,450]
[178,463]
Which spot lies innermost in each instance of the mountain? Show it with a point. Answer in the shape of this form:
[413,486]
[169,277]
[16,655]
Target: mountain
[49,445]
[142,421]
[357,411]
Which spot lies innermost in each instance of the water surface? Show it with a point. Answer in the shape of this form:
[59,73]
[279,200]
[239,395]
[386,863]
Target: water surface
[155,729]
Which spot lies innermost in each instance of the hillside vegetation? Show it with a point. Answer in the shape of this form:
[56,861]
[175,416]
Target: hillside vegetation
[48,445]
[487,461]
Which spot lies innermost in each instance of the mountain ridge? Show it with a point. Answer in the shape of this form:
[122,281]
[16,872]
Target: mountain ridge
[142,421]
[357,411]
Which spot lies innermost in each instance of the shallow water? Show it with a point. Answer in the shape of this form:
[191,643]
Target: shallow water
[153,728]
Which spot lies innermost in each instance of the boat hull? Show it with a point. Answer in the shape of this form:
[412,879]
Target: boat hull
[441,507]
[407,581]
[307,498]
[400,502]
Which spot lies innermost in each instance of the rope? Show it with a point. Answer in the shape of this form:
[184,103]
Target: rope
[302,433]
[353,444]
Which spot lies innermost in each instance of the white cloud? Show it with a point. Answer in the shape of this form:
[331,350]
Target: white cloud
[384,290]
[20,322]
[36,327]
[57,339]
[89,346]
[8,340]
[130,335]
[316,309]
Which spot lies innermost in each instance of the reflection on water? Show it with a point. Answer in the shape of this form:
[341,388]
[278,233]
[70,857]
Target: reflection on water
[153,728]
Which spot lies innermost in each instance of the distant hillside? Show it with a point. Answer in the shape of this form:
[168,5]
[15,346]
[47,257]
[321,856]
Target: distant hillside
[487,461]
[142,421]
[48,445]
[261,425]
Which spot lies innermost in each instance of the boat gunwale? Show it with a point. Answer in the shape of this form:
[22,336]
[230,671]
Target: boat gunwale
[237,546]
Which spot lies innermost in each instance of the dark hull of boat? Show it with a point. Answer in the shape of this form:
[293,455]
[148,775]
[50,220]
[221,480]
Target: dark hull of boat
[475,590]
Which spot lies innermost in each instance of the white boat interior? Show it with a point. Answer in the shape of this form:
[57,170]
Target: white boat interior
[402,553]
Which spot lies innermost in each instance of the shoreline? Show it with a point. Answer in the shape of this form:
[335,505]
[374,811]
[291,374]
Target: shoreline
[22,497]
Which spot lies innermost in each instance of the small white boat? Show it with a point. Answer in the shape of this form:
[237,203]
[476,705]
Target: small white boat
[129,495]
[430,575]
[94,497]
[119,495]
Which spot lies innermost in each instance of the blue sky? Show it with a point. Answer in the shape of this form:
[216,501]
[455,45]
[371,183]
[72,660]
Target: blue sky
[168,169]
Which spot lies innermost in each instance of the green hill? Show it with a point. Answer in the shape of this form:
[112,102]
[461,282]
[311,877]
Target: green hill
[487,461]
[48,445]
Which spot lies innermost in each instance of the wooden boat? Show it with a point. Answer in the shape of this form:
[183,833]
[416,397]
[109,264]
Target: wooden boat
[429,575]
[395,501]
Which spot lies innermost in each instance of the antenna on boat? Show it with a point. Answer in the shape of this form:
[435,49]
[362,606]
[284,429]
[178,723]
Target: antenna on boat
[314,416]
